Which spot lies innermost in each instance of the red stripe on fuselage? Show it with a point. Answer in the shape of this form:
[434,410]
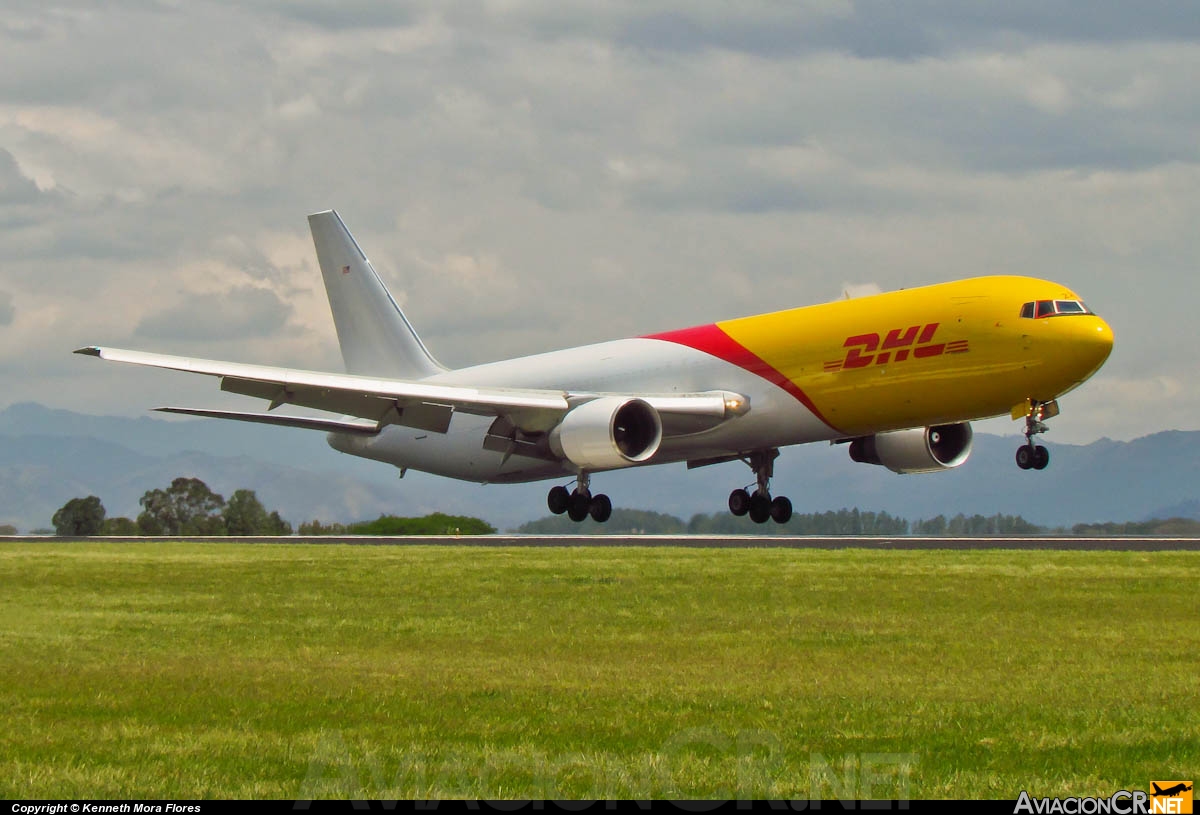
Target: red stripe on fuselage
[713,341]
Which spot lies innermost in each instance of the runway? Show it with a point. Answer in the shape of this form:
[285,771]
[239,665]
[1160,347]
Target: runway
[1046,543]
[773,542]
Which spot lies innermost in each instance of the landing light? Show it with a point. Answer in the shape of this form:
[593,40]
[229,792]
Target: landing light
[736,404]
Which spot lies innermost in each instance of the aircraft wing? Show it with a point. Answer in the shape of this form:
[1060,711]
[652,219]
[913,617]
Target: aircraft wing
[417,404]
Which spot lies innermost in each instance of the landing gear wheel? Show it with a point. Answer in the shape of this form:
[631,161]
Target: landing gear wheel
[760,507]
[1024,457]
[558,500]
[781,510]
[1032,456]
[600,508]
[1041,457]
[580,503]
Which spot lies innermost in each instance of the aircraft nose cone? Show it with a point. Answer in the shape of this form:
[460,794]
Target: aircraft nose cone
[1101,341]
[1091,342]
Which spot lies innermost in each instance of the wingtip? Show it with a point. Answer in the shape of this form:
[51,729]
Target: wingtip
[91,351]
[176,410]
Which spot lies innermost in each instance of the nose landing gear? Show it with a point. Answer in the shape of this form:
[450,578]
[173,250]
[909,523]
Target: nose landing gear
[759,505]
[1030,455]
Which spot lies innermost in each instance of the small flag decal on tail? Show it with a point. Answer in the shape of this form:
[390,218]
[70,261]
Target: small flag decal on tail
[345,270]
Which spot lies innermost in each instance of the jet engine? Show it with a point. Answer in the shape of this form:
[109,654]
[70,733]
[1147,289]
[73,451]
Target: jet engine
[920,450]
[606,433]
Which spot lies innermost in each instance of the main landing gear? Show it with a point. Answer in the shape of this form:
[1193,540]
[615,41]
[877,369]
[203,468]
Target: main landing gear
[759,505]
[580,503]
[1032,456]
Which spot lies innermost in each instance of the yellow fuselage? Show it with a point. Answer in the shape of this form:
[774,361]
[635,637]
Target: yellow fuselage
[943,353]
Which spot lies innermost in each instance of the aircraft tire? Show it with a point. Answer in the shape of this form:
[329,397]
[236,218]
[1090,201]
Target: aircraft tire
[558,500]
[760,508]
[1041,458]
[781,510]
[600,508]
[1024,457]
[739,502]
[579,505]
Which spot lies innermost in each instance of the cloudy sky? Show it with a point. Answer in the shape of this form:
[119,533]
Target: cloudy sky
[529,175]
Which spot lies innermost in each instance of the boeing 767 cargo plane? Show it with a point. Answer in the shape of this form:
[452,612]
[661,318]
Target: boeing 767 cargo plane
[897,377]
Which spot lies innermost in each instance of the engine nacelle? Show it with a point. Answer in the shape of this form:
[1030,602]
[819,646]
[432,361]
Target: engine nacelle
[606,433]
[920,450]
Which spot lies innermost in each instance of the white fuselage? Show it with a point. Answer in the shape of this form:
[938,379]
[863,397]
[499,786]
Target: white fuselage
[638,365]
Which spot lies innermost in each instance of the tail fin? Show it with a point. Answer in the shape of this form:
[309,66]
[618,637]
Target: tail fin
[375,336]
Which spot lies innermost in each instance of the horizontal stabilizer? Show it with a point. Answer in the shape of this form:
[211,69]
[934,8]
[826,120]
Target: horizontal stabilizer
[305,422]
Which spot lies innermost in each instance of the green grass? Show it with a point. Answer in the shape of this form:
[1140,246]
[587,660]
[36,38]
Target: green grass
[224,670]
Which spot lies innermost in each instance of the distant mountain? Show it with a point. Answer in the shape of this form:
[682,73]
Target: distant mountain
[48,456]
[162,437]
[1184,509]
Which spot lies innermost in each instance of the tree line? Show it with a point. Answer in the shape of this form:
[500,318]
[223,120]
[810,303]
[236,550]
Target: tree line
[976,525]
[833,523]
[436,523]
[848,522]
[187,507]
[1173,527]
[635,521]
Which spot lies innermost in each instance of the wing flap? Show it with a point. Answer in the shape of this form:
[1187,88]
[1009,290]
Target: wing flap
[305,422]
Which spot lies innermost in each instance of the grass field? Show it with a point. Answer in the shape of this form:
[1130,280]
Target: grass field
[294,671]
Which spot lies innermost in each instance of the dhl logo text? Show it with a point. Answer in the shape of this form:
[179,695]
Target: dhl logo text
[897,345]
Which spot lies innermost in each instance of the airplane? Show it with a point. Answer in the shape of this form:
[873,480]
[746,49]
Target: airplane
[1169,792]
[897,377]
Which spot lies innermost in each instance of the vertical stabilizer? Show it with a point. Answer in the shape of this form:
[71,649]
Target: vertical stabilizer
[375,336]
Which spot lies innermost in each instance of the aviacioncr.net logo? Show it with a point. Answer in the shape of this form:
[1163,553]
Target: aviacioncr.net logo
[1167,798]
[1122,802]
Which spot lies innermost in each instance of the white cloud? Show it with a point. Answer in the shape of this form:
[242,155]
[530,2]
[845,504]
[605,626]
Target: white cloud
[237,314]
[302,108]
[532,174]
[16,186]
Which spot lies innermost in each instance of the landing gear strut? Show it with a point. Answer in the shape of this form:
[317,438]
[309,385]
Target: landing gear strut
[759,505]
[1030,455]
[580,503]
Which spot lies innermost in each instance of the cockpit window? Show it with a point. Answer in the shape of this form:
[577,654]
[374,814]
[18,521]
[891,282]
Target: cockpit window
[1049,308]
